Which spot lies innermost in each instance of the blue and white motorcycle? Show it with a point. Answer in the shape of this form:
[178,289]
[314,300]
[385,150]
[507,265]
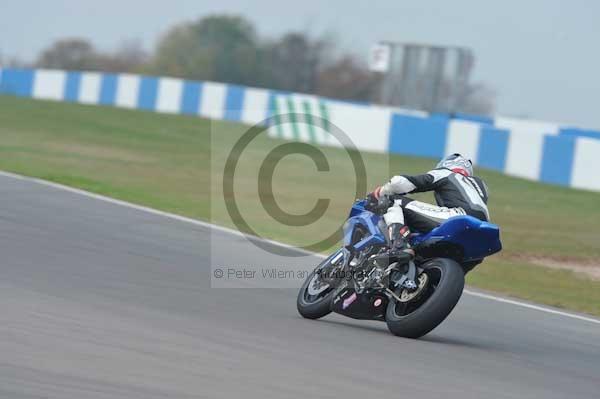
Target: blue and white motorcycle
[361,281]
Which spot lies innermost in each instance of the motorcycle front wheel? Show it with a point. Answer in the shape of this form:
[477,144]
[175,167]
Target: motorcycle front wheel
[315,296]
[440,288]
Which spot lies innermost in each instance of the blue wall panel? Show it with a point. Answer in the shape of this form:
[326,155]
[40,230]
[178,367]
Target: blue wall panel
[108,89]
[148,93]
[573,132]
[423,137]
[17,81]
[72,86]
[493,147]
[557,159]
[191,97]
[486,120]
[234,102]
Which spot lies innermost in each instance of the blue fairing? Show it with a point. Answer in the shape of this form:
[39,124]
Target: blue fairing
[359,216]
[475,238]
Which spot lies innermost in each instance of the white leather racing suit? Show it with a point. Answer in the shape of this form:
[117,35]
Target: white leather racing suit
[455,194]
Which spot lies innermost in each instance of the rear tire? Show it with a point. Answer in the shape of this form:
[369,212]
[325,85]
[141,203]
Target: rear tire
[448,290]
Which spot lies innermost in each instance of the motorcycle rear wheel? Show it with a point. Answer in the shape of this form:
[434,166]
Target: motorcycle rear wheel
[446,281]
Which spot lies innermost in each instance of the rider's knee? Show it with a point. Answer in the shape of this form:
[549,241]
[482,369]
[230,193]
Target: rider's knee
[394,214]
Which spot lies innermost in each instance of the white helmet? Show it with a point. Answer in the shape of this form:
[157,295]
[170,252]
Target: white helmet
[456,163]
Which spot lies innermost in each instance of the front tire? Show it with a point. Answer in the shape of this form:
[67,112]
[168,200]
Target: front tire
[312,305]
[446,281]
[313,309]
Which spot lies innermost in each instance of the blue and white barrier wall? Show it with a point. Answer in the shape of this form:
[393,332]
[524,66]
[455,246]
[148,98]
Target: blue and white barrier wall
[529,149]
[534,150]
[160,94]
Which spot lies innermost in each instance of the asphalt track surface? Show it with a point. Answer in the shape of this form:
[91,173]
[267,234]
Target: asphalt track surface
[99,300]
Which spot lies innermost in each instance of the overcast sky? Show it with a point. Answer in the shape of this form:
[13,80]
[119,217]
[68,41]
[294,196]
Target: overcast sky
[541,56]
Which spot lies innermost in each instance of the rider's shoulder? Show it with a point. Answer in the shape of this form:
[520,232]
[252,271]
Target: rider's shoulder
[439,173]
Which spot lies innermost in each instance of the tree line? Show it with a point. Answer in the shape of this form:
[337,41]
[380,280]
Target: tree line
[227,48]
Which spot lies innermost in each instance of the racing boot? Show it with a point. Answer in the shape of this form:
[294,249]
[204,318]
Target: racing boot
[400,248]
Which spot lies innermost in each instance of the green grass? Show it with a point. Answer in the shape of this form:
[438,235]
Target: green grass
[176,163]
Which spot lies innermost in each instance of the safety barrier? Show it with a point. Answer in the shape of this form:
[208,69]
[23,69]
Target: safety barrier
[529,149]
[160,94]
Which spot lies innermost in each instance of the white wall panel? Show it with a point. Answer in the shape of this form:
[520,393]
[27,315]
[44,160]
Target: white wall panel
[89,89]
[169,95]
[586,164]
[49,84]
[256,102]
[127,90]
[463,138]
[525,145]
[212,103]
[367,127]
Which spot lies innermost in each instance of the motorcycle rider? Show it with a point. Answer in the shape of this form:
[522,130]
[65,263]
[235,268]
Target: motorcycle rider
[457,192]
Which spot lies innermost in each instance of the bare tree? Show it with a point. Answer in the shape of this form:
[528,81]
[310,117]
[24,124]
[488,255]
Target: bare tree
[76,53]
[218,47]
[130,56]
[346,79]
[293,62]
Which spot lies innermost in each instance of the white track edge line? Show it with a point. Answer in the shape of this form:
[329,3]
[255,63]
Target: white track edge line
[531,306]
[240,234]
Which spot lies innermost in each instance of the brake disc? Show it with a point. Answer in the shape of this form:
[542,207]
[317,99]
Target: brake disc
[407,296]
[316,286]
